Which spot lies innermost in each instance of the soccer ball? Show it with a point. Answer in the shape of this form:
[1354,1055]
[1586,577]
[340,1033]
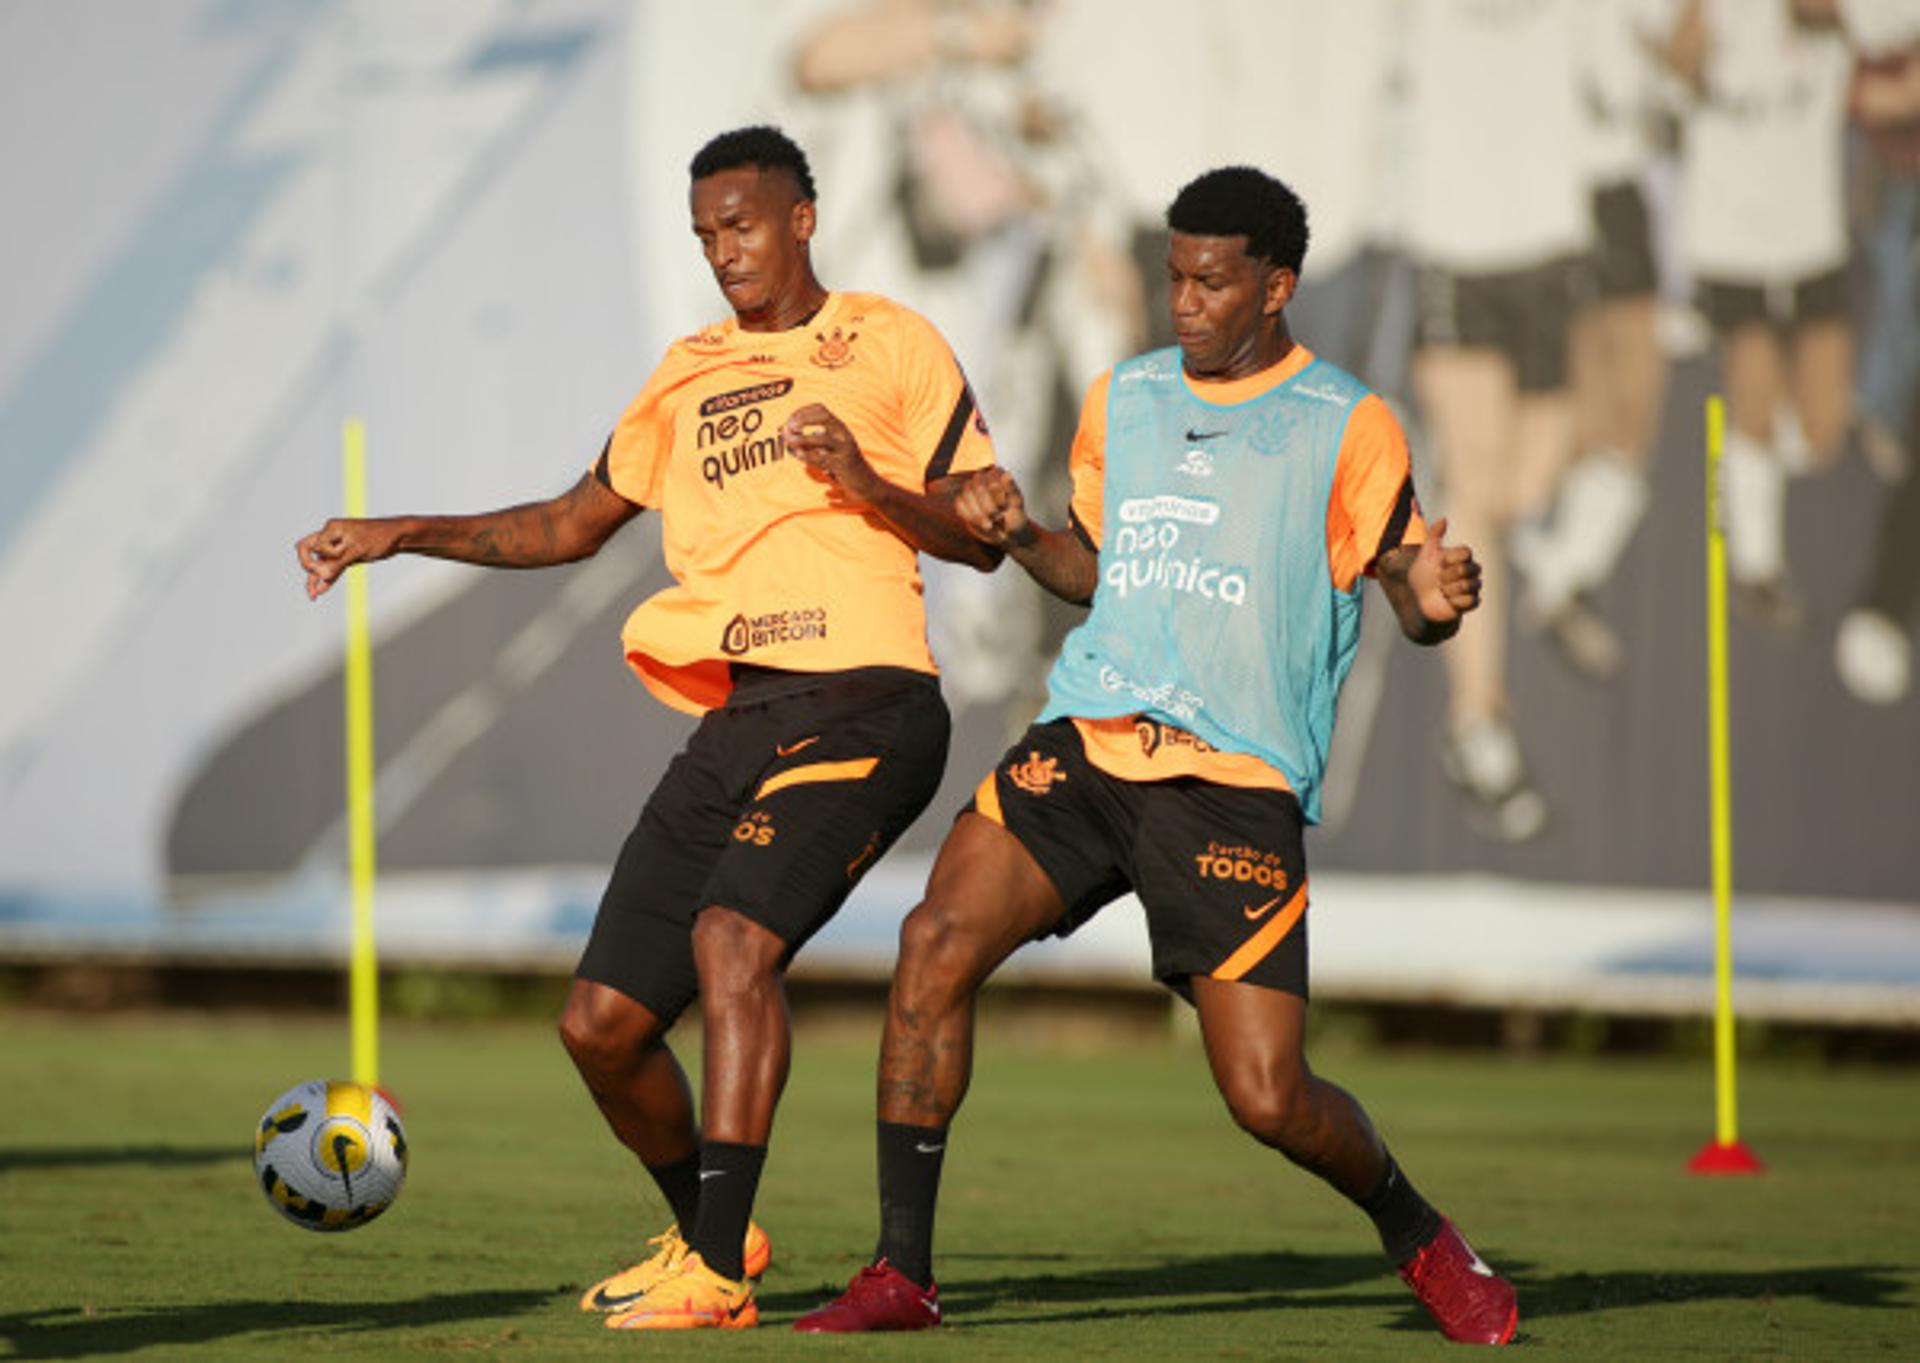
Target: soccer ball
[330,1155]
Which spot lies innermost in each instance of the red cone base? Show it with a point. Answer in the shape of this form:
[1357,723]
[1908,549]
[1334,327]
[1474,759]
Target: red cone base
[1715,1158]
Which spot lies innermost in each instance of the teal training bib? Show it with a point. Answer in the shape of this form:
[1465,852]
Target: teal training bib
[1216,608]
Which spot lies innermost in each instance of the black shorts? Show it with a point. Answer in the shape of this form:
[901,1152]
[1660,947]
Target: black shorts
[1622,264]
[1220,870]
[1523,314]
[1817,298]
[782,799]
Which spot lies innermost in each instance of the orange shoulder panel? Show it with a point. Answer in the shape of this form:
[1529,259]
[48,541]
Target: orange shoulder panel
[944,427]
[1372,493]
[1088,462]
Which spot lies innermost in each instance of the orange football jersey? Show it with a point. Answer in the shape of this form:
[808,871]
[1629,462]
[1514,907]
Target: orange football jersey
[768,568]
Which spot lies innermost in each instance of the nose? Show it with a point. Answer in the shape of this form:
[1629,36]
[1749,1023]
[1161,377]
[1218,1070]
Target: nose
[1184,299]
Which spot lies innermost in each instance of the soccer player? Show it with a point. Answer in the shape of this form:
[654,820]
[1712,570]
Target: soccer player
[799,454]
[1766,90]
[1496,224]
[1229,494]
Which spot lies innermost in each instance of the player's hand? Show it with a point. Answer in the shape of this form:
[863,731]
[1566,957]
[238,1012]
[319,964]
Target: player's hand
[991,506]
[338,545]
[820,440]
[1445,578]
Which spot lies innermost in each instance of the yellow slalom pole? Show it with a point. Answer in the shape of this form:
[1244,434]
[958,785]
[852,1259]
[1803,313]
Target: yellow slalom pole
[1724,1154]
[1725,1121]
[364,974]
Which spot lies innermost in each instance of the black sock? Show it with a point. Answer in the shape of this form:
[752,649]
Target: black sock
[679,1183]
[1405,1220]
[910,1158]
[729,1177]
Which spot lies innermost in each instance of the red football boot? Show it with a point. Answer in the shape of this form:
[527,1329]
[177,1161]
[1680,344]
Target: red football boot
[1468,1301]
[880,1297]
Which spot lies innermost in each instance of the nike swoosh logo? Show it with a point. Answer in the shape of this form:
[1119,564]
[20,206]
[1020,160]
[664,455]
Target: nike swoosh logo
[1255,915]
[789,749]
[1195,436]
[340,1147]
[1479,1265]
[706,1174]
[925,1149]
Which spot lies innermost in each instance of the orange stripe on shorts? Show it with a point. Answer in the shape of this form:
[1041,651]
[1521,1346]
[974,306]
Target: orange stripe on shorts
[1254,950]
[855,769]
[986,800]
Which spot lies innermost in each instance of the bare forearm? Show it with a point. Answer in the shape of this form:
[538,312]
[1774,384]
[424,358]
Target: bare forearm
[535,535]
[1392,572]
[561,529]
[876,44]
[527,536]
[927,521]
[1417,627]
[1058,561]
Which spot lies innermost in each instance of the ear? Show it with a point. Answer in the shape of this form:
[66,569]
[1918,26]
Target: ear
[805,219]
[1280,286]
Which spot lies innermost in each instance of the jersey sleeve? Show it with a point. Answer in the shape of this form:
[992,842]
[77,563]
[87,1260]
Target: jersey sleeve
[1373,507]
[634,463]
[944,425]
[1088,464]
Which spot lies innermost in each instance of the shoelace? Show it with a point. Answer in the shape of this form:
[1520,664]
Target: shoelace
[1422,1262]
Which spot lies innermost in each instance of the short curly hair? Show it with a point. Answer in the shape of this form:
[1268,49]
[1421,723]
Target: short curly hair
[1239,201]
[761,146]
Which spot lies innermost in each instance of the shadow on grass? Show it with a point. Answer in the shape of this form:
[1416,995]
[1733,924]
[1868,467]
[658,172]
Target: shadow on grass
[1207,1284]
[69,1332]
[96,1156]
[1875,1287]
[1238,1283]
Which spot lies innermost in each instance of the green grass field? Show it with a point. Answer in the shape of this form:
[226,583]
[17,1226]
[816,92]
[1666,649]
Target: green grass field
[1098,1204]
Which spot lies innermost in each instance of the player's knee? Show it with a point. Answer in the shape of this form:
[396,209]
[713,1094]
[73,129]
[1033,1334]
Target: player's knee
[936,953]
[923,932]
[733,954]
[1271,1106]
[586,1032]
[605,1031]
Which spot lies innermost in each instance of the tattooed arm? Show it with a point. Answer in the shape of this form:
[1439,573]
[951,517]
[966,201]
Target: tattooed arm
[534,535]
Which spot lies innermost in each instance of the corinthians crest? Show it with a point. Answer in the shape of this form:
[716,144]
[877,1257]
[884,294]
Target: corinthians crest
[1037,775]
[836,349]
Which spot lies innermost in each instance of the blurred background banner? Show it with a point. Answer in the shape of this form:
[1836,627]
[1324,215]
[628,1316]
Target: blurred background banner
[233,222]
